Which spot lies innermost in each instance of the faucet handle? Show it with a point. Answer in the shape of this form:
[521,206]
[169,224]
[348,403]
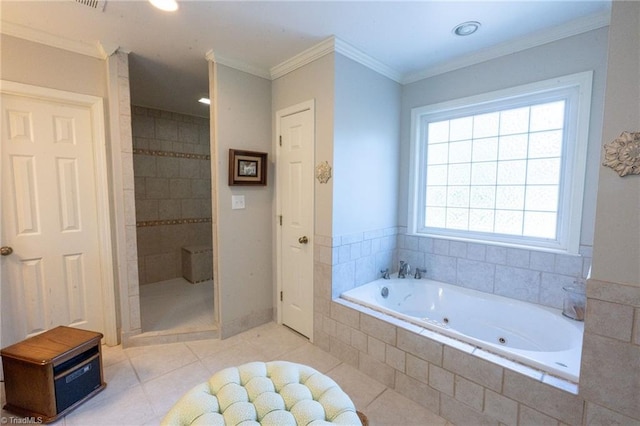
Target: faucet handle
[419,273]
[385,273]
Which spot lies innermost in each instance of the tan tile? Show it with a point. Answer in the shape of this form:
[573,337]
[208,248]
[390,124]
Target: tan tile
[547,399]
[312,356]
[375,348]
[377,369]
[610,374]
[112,355]
[206,348]
[129,407]
[343,352]
[345,315]
[234,356]
[417,368]
[418,392]
[376,327]
[391,408]
[395,358]
[609,319]
[441,379]
[119,377]
[530,417]
[478,370]
[503,409]
[461,414]
[361,388]
[420,346]
[597,415]
[153,361]
[469,393]
[163,392]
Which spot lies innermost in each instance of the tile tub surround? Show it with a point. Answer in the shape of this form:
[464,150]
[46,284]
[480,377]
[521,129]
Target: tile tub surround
[470,388]
[172,166]
[530,275]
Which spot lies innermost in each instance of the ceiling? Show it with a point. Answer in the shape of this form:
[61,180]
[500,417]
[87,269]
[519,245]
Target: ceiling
[411,39]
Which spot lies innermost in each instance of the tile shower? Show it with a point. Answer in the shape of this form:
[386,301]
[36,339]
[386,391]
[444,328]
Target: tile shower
[172,169]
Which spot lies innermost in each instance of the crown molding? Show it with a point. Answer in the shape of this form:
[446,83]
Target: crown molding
[357,55]
[573,28]
[330,45]
[303,58]
[37,36]
[211,56]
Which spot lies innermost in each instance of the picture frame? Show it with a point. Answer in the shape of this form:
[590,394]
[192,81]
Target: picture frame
[247,168]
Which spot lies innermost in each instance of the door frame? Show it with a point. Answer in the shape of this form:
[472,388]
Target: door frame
[96,107]
[294,109]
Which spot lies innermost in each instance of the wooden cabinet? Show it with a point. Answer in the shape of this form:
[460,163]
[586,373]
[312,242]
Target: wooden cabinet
[50,374]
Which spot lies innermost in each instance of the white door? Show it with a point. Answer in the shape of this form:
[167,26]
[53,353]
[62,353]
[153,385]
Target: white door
[296,194]
[50,217]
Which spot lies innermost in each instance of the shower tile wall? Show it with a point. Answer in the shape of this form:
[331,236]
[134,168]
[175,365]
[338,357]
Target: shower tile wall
[172,169]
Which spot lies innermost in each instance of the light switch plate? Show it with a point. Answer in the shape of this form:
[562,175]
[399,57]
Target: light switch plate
[237,202]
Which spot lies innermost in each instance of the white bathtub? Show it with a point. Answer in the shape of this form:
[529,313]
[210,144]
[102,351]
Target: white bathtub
[533,335]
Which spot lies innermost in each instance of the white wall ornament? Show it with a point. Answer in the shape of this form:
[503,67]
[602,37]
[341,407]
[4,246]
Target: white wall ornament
[323,172]
[623,154]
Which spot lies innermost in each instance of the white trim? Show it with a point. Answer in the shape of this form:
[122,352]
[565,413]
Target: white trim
[211,56]
[330,45]
[570,29]
[303,58]
[309,105]
[574,161]
[37,36]
[95,105]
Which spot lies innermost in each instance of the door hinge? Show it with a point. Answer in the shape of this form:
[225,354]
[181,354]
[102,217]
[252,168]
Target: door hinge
[280,220]
[281,296]
[280,140]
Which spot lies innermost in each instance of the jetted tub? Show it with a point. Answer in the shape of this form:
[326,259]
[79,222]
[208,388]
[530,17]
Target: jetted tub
[533,335]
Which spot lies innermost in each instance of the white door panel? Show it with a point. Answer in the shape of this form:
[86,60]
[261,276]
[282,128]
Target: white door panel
[49,218]
[296,195]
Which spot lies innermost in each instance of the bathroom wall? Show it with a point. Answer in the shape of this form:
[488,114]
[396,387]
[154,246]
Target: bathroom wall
[172,169]
[27,62]
[241,117]
[611,352]
[365,147]
[584,52]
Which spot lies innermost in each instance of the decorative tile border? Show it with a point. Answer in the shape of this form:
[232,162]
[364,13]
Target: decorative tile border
[171,154]
[146,223]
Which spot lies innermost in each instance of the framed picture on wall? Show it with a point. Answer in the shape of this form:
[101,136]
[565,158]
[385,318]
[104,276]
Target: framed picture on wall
[247,167]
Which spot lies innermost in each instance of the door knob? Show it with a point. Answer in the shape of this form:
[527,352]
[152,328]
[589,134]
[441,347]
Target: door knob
[5,251]
[303,240]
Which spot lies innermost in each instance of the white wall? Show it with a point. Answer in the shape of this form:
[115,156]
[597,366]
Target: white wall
[242,120]
[366,155]
[583,52]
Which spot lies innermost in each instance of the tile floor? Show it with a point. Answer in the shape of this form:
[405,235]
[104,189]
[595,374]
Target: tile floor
[144,382]
[176,304]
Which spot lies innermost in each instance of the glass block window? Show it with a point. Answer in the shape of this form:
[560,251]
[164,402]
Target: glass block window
[503,167]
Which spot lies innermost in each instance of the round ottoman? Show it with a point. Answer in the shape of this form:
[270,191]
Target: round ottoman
[268,393]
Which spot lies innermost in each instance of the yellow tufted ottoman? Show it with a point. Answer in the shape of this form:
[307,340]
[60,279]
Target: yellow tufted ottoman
[268,393]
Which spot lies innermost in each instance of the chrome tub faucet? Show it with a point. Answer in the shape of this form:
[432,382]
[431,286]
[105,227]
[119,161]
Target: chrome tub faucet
[405,269]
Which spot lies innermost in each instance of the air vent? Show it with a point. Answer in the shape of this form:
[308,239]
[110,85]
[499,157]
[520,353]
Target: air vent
[94,4]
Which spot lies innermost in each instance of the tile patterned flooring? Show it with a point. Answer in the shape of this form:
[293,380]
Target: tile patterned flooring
[176,304]
[144,382]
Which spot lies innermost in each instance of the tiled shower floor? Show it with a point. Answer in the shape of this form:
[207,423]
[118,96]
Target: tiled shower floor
[176,304]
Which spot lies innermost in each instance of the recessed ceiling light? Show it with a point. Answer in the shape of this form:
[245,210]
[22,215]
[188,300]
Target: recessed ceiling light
[205,101]
[166,5]
[466,28]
